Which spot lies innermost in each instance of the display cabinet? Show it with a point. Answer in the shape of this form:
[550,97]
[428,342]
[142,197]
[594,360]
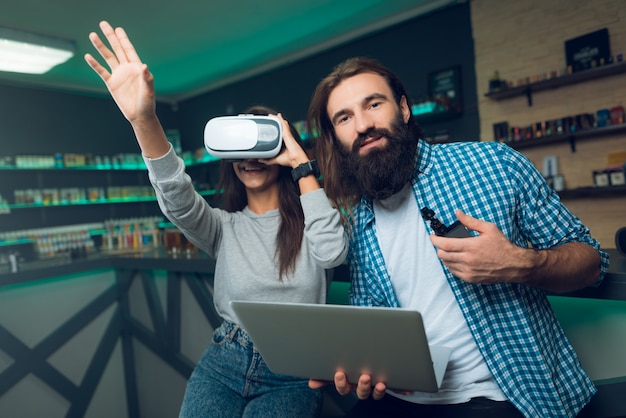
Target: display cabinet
[40,197]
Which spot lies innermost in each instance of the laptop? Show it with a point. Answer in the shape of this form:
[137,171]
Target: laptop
[316,340]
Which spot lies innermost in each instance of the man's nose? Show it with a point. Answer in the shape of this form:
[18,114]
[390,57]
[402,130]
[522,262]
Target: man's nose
[363,122]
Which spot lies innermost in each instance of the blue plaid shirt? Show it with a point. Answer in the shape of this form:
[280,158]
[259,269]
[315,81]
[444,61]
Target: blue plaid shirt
[514,327]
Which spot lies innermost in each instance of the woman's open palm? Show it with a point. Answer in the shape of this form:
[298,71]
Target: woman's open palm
[130,83]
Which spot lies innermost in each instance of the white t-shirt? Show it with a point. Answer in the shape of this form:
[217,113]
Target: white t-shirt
[420,284]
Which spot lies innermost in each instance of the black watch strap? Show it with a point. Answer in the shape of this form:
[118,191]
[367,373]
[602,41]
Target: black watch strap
[304,169]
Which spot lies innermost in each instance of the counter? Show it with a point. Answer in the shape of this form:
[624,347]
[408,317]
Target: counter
[121,332]
[118,332]
[613,287]
[153,259]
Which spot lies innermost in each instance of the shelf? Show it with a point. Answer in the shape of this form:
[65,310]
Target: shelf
[136,167]
[43,195]
[16,242]
[583,192]
[137,199]
[570,137]
[81,168]
[553,83]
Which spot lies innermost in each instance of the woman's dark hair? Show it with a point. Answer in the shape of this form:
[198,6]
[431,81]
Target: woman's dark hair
[231,196]
[326,144]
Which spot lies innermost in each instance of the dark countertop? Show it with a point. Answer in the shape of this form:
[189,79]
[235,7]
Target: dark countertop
[149,259]
[613,287]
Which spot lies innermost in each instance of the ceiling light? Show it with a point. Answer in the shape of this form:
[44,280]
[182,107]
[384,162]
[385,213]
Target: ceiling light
[30,53]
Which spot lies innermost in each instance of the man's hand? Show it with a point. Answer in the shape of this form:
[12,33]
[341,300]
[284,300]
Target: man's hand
[492,258]
[363,388]
[483,259]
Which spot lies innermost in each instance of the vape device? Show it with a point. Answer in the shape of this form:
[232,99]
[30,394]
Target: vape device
[455,230]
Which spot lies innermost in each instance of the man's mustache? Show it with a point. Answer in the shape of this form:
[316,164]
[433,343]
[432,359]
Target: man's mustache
[370,133]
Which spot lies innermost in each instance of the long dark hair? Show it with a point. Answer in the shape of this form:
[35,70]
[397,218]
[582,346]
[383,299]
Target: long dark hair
[327,149]
[232,197]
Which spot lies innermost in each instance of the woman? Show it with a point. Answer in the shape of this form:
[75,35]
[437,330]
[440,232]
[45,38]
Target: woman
[272,240]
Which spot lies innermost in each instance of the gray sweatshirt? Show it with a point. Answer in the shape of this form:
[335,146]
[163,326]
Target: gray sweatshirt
[244,243]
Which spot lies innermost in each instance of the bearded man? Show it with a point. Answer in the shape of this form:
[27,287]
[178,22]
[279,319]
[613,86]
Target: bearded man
[483,296]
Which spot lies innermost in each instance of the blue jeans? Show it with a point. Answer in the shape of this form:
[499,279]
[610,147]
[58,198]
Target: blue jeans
[232,380]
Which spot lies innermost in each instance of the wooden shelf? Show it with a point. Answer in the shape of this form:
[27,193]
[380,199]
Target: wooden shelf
[553,83]
[583,192]
[570,137]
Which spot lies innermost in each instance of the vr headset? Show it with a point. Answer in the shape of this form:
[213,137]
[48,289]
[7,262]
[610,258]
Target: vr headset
[243,136]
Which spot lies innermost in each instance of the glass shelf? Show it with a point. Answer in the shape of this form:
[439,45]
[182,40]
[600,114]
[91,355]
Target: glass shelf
[15,242]
[78,168]
[42,194]
[133,167]
[136,199]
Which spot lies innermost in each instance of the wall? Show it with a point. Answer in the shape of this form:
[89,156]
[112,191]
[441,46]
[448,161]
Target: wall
[45,122]
[524,38]
[521,39]
[41,121]
[412,49]
[529,41]
[37,121]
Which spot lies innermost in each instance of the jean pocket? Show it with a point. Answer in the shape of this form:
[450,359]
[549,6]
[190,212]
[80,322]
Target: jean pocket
[219,337]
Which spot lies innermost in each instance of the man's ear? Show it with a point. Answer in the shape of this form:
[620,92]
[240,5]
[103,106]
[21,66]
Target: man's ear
[404,108]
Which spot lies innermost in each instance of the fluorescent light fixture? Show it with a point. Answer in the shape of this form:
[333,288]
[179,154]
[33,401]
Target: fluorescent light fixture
[30,53]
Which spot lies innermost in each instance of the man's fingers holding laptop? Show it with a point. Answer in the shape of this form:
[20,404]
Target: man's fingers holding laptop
[316,384]
[343,386]
[363,389]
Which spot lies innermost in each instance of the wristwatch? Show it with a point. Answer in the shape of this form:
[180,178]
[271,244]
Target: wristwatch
[304,169]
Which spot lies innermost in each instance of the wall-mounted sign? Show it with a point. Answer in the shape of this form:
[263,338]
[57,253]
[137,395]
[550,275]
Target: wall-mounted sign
[444,96]
[588,51]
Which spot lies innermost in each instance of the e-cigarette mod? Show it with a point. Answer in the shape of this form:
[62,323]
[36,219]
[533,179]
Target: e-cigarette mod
[455,230]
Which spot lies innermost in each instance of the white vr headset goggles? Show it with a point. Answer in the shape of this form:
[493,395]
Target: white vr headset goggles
[243,136]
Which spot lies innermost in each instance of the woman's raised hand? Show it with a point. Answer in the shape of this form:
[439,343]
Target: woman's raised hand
[127,79]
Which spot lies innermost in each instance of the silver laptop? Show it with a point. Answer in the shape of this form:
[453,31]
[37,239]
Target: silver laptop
[314,341]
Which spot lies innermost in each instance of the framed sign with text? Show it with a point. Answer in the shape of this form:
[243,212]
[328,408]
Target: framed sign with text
[444,88]
[588,51]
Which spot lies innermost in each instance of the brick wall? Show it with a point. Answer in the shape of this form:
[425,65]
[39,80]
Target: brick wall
[525,38]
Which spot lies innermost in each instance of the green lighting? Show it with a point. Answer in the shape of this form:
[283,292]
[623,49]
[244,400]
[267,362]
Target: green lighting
[14,242]
[423,108]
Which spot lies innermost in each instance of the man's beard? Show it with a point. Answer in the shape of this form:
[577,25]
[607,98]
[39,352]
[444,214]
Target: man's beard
[384,171]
